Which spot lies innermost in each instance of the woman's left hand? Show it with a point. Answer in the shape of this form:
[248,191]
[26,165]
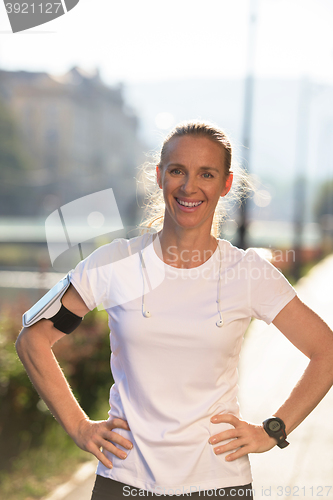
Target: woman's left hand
[246,437]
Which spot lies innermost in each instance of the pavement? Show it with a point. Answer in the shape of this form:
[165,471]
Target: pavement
[269,368]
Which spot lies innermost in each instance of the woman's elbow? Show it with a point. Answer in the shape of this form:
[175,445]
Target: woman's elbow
[40,336]
[22,342]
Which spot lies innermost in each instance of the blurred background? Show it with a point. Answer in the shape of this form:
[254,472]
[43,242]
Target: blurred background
[86,96]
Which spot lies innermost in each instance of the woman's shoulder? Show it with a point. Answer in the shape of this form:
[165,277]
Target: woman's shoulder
[234,254]
[118,249]
[230,252]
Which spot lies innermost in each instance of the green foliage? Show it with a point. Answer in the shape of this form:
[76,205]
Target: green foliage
[11,151]
[20,420]
[14,166]
[324,200]
[84,356]
[37,471]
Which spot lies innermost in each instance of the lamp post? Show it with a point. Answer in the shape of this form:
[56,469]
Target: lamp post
[301,170]
[248,118]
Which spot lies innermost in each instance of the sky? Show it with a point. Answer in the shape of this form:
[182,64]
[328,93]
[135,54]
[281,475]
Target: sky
[156,40]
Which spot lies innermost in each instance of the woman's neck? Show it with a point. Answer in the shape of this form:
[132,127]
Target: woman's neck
[186,248]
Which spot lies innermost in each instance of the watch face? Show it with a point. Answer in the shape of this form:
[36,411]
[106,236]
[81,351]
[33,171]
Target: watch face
[274,426]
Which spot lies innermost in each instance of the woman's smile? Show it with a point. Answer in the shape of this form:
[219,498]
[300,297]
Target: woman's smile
[193,179]
[188,205]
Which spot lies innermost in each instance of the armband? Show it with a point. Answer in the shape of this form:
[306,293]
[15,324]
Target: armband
[65,320]
[50,307]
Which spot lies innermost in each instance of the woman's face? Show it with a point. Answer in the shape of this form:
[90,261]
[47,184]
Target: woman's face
[193,179]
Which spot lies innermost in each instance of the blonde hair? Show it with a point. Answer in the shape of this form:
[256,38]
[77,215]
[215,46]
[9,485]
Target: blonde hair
[154,206]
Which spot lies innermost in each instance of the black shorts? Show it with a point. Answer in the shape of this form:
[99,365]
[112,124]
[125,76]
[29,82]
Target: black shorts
[108,489]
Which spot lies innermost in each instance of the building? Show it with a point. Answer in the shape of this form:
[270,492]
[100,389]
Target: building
[79,133]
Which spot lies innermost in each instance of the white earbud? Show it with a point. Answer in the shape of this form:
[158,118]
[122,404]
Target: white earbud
[146,314]
[219,323]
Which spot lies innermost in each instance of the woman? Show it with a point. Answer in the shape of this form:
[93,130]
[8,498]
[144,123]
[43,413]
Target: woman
[179,304]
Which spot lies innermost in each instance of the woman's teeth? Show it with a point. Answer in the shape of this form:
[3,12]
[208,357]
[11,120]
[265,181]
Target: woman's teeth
[188,204]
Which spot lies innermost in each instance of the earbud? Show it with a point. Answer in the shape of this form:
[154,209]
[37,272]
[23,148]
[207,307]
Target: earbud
[146,314]
[219,323]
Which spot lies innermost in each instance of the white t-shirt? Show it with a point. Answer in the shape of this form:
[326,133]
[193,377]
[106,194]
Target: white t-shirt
[176,369]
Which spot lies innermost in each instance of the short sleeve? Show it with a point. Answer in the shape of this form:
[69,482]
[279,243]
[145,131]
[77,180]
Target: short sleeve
[92,276]
[112,274]
[269,290]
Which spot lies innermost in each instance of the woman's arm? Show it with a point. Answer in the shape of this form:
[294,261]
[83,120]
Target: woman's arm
[34,347]
[312,336]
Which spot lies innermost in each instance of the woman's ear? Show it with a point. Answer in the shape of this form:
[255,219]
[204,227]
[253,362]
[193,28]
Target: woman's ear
[158,176]
[228,184]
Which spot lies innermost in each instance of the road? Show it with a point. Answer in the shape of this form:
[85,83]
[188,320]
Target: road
[269,368]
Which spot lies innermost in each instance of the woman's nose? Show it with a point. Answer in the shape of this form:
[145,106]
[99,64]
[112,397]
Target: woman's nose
[189,185]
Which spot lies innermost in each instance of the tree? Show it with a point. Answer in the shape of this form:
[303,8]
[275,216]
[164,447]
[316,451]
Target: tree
[324,200]
[323,210]
[14,166]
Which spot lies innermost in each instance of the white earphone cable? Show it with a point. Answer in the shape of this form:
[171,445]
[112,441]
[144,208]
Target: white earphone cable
[220,322]
[147,314]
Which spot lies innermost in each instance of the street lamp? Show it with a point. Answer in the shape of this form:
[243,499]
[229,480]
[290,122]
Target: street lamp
[248,117]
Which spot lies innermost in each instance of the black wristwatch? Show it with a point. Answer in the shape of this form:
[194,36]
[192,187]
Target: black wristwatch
[276,429]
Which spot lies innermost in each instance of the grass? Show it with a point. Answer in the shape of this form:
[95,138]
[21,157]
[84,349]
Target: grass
[37,453]
[37,472]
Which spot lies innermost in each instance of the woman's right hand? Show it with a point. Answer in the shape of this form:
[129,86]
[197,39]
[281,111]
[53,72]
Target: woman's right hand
[93,436]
